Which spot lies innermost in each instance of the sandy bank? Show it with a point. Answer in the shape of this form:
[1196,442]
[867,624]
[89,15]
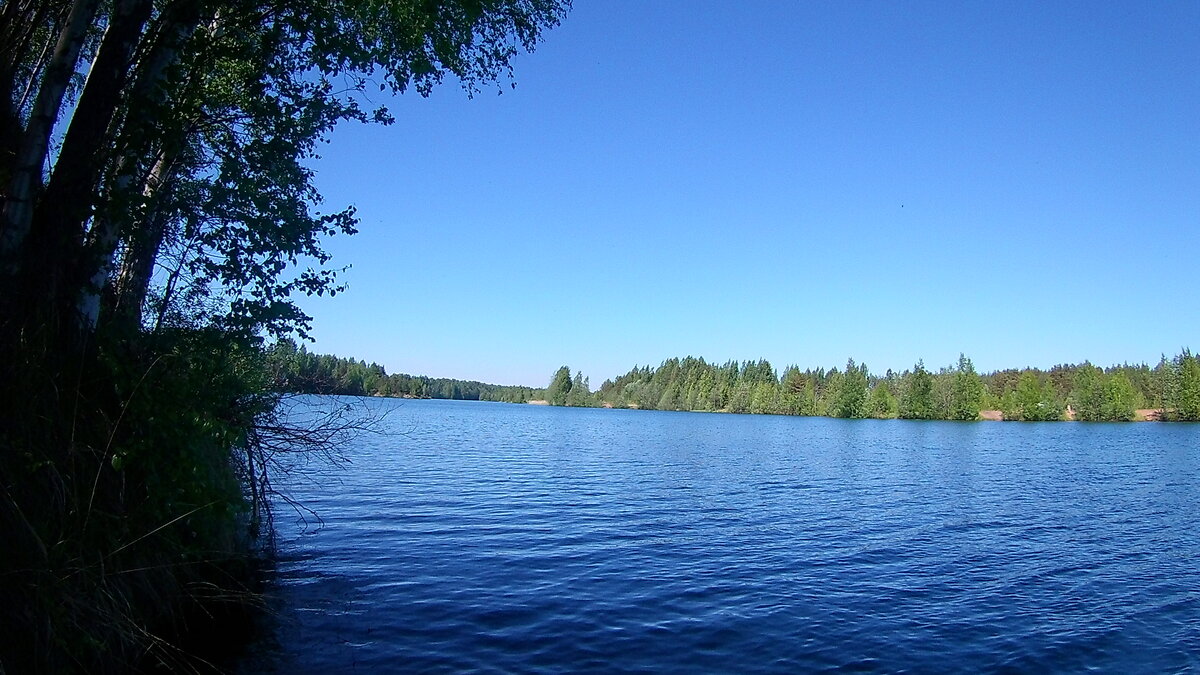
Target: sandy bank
[1140,415]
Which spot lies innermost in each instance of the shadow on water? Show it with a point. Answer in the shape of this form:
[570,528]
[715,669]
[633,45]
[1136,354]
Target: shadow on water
[311,607]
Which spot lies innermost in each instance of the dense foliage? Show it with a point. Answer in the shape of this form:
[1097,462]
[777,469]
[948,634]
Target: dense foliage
[157,217]
[957,392]
[296,370]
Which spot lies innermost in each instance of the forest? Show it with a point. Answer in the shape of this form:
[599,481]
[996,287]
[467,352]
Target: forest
[1082,392]
[158,218]
[298,371]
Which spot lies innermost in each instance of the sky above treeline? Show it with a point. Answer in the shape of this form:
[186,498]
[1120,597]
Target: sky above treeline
[802,182]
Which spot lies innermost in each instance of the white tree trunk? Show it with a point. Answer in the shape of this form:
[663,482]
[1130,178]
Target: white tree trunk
[35,144]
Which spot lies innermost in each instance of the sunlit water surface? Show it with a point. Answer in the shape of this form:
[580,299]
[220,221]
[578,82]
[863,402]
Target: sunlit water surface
[486,537]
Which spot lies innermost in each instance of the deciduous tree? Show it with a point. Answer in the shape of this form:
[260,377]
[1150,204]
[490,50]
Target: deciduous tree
[917,403]
[560,387]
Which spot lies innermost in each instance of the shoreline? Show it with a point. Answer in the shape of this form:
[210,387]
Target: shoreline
[1139,415]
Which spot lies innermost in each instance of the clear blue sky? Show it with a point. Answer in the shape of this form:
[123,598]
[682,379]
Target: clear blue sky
[802,182]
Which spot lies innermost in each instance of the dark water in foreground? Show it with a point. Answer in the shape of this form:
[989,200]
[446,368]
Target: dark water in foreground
[503,538]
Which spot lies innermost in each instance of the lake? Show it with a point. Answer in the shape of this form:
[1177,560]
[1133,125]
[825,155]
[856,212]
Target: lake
[489,537]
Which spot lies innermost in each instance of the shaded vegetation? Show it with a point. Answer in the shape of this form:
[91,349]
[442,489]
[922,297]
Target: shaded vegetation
[126,504]
[157,217]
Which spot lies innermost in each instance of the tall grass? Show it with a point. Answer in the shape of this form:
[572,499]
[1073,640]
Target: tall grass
[131,509]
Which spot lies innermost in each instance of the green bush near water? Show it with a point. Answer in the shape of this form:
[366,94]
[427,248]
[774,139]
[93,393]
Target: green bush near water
[158,214]
[126,505]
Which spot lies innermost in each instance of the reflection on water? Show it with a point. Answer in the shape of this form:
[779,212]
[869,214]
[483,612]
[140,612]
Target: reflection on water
[503,538]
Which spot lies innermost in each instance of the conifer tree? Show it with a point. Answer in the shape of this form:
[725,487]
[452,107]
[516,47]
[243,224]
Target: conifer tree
[851,397]
[1183,402]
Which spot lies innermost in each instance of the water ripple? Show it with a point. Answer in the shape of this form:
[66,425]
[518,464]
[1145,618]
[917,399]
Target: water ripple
[498,538]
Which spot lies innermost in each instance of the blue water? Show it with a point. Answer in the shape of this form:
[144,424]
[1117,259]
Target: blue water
[484,537]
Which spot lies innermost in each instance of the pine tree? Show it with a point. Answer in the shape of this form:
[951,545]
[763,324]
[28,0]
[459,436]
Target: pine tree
[1183,402]
[851,398]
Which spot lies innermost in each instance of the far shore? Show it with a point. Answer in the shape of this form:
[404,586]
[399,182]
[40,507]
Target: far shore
[1139,415]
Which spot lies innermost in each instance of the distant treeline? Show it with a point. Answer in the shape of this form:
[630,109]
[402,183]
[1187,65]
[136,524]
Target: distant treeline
[958,392]
[297,370]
